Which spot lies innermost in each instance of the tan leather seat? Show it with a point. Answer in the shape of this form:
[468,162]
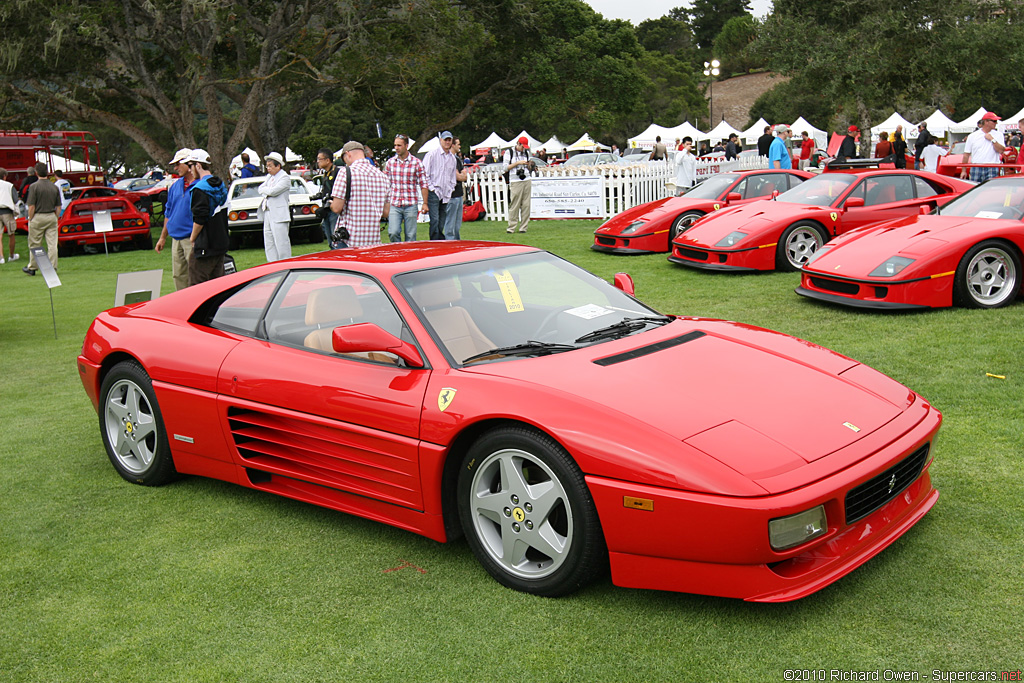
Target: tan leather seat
[332,307]
[451,322]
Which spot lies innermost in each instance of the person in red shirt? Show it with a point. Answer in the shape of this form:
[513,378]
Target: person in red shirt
[806,150]
[884,147]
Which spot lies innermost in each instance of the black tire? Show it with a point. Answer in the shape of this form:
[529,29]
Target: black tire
[988,276]
[797,244]
[548,514]
[315,234]
[132,427]
[682,223]
[234,241]
[144,241]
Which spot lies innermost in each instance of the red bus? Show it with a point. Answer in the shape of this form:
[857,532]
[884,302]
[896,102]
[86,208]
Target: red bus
[75,153]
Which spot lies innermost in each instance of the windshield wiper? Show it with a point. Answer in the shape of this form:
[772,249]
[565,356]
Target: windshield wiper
[528,348]
[623,327]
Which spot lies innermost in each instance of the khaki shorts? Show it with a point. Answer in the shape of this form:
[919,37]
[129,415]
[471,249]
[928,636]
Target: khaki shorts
[8,223]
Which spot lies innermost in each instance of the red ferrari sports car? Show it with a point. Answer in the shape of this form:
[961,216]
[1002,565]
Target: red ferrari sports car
[499,391]
[75,225]
[966,253]
[784,233]
[650,228]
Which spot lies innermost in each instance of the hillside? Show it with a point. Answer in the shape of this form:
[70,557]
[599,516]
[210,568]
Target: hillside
[733,97]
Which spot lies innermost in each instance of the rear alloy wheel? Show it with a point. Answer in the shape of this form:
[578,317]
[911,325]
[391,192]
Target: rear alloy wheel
[132,427]
[682,223]
[988,276]
[797,245]
[528,514]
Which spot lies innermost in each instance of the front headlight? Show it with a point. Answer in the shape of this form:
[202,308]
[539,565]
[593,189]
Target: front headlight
[892,266]
[731,239]
[813,257]
[632,227]
[788,532]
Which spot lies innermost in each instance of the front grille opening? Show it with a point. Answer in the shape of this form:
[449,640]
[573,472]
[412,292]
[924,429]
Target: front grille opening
[881,292]
[876,492]
[692,254]
[848,288]
[606,241]
[722,258]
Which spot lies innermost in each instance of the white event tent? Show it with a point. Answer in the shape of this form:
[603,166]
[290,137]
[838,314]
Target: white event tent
[646,139]
[750,135]
[939,124]
[968,125]
[553,145]
[889,126]
[534,143]
[1009,124]
[683,130]
[819,136]
[720,132]
[493,140]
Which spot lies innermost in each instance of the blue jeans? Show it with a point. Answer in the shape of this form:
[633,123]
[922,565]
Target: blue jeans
[436,209]
[396,218]
[453,219]
[328,226]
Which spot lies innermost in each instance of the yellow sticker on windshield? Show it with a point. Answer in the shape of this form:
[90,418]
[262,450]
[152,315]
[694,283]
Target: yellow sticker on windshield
[509,292]
[1006,202]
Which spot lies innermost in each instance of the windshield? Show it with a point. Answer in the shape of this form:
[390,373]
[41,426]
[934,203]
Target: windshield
[535,299]
[713,187]
[820,191]
[582,160]
[998,198]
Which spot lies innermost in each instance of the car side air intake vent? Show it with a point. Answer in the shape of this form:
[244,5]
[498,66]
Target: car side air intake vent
[876,492]
[652,348]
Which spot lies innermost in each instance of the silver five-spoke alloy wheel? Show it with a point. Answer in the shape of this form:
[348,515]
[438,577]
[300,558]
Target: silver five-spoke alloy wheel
[801,245]
[991,277]
[521,513]
[131,426]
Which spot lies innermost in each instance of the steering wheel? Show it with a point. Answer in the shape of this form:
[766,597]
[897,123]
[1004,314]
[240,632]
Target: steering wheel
[542,331]
[1014,212]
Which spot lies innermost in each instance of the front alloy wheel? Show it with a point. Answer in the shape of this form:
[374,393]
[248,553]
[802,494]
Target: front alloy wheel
[797,245]
[528,514]
[988,276]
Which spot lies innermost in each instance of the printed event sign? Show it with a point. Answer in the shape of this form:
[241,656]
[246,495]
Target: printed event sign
[574,197]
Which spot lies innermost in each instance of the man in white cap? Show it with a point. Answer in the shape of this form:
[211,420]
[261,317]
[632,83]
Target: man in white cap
[984,146]
[209,200]
[439,166]
[778,153]
[178,219]
[274,209]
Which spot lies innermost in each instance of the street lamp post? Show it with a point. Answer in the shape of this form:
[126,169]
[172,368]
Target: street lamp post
[711,70]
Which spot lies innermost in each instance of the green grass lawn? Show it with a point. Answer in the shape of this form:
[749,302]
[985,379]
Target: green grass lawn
[204,581]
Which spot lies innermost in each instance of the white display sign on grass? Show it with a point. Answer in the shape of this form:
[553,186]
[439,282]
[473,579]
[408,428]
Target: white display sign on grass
[573,197]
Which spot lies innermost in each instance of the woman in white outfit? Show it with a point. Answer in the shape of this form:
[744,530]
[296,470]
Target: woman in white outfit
[686,166]
[275,210]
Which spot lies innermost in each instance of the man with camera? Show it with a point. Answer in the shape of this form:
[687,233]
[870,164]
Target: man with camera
[328,174]
[518,169]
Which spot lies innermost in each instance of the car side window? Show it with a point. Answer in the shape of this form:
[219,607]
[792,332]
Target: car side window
[298,187]
[242,311]
[924,188]
[741,188]
[887,189]
[764,184]
[794,180]
[312,303]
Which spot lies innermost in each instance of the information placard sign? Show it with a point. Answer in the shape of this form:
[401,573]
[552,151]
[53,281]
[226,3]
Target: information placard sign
[575,197]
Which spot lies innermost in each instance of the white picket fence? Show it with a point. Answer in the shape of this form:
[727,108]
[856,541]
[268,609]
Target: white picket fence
[624,186]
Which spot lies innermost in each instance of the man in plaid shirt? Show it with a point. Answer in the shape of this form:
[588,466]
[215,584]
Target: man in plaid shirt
[408,186]
[368,199]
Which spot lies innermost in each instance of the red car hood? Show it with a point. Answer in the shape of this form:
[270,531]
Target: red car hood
[760,402]
[670,206]
[754,218]
[857,253]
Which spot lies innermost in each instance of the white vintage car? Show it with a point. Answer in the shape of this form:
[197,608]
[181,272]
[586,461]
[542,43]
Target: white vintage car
[244,200]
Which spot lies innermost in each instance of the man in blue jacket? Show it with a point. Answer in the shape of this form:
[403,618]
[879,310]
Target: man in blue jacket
[178,220]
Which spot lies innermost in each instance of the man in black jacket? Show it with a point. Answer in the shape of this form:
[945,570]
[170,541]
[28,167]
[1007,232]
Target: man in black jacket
[209,200]
[924,138]
[328,174]
[764,142]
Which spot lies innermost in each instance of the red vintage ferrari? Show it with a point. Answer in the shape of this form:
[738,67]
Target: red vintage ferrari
[784,233]
[498,391]
[966,253]
[650,228]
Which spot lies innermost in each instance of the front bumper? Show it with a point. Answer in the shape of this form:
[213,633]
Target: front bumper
[909,294]
[726,260]
[717,545]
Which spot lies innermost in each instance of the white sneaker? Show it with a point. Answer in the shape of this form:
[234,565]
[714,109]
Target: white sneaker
[14,257]
[2,260]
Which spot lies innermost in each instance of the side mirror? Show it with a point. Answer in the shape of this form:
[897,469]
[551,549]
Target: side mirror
[367,337]
[733,197]
[624,282]
[775,193]
[854,202]
[926,209]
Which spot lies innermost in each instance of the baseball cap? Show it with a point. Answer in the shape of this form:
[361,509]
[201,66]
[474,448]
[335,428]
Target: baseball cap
[989,116]
[352,145]
[276,156]
[524,142]
[181,155]
[199,155]
[782,128]
[447,135]
[853,129]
